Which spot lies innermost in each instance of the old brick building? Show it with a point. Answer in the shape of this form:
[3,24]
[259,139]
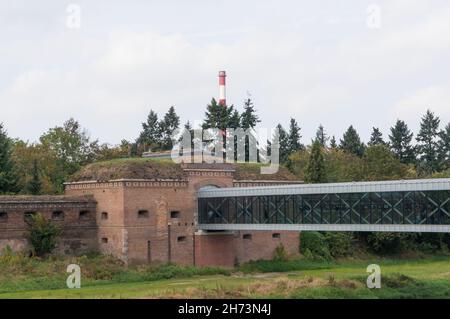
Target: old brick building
[145,211]
[75,214]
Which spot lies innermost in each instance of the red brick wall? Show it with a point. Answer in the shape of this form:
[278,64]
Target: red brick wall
[160,238]
[215,250]
[78,236]
[262,244]
[110,200]
[226,250]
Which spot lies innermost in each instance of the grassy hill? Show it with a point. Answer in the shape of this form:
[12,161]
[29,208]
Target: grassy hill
[164,168]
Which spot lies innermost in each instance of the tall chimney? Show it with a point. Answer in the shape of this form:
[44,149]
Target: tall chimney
[222,98]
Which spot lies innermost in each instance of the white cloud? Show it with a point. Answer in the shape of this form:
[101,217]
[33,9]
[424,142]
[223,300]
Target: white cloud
[413,106]
[108,75]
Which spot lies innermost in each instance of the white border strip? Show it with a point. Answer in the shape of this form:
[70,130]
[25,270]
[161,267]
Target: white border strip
[330,227]
[330,188]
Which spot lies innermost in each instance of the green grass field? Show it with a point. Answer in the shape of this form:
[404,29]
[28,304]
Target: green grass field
[405,278]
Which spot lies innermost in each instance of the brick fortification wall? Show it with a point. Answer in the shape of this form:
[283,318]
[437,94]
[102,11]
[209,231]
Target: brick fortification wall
[75,215]
[233,248]
[145,220]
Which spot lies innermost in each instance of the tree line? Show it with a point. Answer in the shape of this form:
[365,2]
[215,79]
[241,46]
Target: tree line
[42,167]
[430,156]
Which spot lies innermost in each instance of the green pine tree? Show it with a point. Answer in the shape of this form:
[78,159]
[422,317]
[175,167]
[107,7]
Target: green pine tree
[294,137]
[283,143]
[444,148]
[315,169]
[187,131]
[221,117]
[333,143]
[427,142]
[34,185]
[151,133]
[321,136]
[376,138]
[8,173]
[217,116]
[351,143]
[400,142]
[235,120]
[249,119]
[167,126]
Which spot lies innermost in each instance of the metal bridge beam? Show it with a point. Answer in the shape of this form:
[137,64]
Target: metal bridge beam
[329,227]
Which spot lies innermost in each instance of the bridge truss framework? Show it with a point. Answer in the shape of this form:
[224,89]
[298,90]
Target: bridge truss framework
[410,206]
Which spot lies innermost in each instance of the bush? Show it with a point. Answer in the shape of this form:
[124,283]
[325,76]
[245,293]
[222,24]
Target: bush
[398,281]
[340,244]
[10,258]
[43,234]
[280,253]
[432,242]
[388,243]
[313,245]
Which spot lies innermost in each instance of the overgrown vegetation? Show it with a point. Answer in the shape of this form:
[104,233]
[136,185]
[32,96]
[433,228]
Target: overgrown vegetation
[329,245]
[42,234]
[313,245]
[18,272]
[107,277]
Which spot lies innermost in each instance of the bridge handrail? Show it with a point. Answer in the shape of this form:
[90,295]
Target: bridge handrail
[434,184]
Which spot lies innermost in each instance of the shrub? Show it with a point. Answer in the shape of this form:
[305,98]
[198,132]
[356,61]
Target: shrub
[432,242]
[388,243]
[340,244]
[398,281]
[9,257]
[280,253]
[43,234]
[313,245]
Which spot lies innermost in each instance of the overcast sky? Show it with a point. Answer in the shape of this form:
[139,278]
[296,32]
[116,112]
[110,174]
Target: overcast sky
[323,63]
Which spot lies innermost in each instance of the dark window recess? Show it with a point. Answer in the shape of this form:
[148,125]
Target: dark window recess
[276,235]
[28,215]
[181,239]
[247,236]
[84,214]
[58,214]
[3,216]
[143,214]
[175,214]
[104,240]
[104,215]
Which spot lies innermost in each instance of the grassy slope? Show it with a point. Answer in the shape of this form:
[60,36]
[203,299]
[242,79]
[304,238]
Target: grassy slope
[421,278]
[164,168]
[137,168]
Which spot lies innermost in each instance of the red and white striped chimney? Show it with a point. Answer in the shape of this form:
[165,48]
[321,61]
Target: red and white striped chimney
[222,98]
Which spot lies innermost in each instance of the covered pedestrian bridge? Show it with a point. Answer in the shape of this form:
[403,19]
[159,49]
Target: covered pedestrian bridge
[393,206]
